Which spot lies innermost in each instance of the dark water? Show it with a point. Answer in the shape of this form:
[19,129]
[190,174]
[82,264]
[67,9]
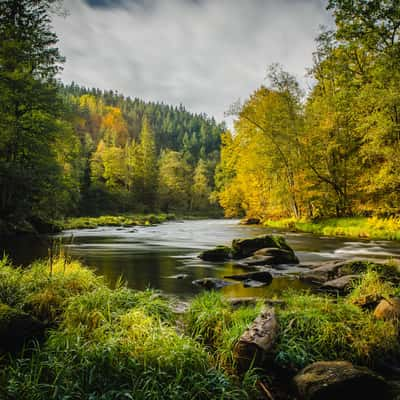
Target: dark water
[150,256]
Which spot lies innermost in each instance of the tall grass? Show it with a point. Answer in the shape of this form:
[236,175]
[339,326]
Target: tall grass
[360,227]
[105,344]
[316,328]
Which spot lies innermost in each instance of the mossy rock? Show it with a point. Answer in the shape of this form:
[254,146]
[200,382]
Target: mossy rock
[219,253]
[333,380]
[242,248]
[16,327]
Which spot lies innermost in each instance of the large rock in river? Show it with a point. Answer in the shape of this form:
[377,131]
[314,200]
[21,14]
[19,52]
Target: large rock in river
[219,253]
[255,346]
[242,248]
[260,276]
[16,327]
[339,380]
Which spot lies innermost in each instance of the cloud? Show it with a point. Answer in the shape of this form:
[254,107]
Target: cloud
[204,54]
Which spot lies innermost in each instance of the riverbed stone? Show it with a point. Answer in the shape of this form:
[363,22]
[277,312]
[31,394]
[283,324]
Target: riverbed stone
[16,327]
[260,276]
[388,309]
[280,256]
[212,283]
[255,346]
[242,248]
[340,285]
[219,253]
[250,221]
[334,380]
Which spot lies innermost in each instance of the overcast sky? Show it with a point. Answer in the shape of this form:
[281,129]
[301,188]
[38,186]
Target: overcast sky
[205,54]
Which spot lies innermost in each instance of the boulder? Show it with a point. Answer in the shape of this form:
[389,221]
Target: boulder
[211,283]
[334,269]
[280,256]
[219,253]
[178,276]
[333,380]
[16,327]
[255,347]
[242,248]
[340,285]
[388,309]
[261,276]
[250,221]
[255,261]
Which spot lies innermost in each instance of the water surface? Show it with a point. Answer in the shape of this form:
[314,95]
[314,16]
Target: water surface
[151,256]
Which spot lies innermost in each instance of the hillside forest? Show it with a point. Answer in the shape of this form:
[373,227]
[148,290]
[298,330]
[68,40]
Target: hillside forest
[333,150]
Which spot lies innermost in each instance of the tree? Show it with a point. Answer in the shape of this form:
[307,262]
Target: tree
[175,182]
[30,110]
[149,167]
[201,189]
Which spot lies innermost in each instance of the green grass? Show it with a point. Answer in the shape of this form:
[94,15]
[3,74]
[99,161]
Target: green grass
[104,343]
[319,328]
[354,227]
[112,220]
[213,322]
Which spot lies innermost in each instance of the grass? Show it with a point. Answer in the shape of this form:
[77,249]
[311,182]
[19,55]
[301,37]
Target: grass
[319,328]
[104,343]
[112,220]
[353,227]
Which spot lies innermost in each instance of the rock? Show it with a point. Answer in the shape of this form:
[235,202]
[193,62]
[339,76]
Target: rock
[280,256]
[334,380]
[250,221]
[253,284]
[16,327]
[368,302]
[261,276]
[255,346]
[211,283]
[341,285]
[388,309]
[178,276]
[254,261]
[334,269]
[242,301]
[219,253]
[242,248]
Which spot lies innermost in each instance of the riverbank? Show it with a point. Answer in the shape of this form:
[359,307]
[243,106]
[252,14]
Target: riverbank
[351,227]
[121,343]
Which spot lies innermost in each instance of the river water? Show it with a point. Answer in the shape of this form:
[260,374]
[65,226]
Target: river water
[151,256]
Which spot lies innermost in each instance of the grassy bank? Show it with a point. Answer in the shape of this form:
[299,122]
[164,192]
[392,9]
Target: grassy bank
[355,227]
[103,343]
[115,220]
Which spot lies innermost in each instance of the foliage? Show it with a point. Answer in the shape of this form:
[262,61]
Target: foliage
[316,328]
[117,343]
[337,153]
[363,227]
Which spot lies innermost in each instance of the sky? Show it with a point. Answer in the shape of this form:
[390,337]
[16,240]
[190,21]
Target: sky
[204,54]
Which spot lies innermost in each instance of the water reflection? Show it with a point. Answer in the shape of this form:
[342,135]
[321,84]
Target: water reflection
[149,256]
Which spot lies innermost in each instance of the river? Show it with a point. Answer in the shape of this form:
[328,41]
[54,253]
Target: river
[152,256]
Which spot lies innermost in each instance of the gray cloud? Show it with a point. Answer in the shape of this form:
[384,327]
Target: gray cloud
[204,54]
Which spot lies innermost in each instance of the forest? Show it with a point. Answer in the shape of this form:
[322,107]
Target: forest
[334,151]
[77,151]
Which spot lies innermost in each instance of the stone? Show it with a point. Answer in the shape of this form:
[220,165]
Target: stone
[280,256]
[251,283]
[219,253]
[211,283]
[242,248]
[334,380]
[178,276]
[16,327]
[388,309]
[341,285]
[261,276]
[255,346]
[250,221]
